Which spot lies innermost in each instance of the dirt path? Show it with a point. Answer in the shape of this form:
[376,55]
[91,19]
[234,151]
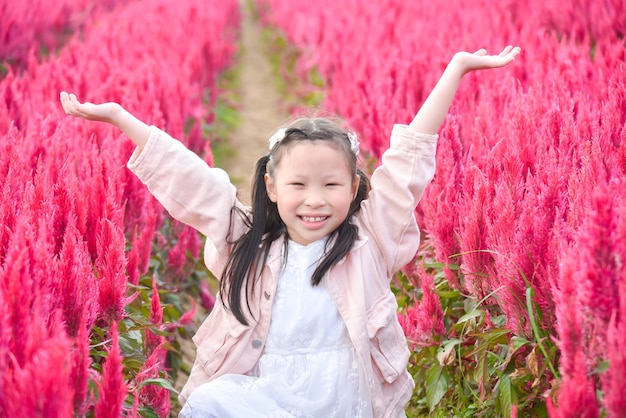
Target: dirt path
[260,109]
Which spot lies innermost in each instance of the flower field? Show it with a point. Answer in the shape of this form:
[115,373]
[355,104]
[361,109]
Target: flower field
[516,304]
[81,318]
[519,299]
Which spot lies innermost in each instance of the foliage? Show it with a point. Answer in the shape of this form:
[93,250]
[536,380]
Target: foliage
[476,367]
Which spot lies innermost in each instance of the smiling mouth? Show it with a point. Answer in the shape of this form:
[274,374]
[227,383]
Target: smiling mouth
[313,218]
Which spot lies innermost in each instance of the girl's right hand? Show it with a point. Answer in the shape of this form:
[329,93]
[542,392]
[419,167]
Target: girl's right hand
[110,112]
[105,112]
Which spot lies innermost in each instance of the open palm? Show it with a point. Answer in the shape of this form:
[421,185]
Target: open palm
[479,60]
[104,112]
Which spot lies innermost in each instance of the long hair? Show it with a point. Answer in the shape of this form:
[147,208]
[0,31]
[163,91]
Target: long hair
[249,252]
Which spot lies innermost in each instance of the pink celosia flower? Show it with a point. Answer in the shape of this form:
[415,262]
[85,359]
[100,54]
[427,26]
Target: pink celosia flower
[476,260]
[132,264]
[207,298]
[111,271]
[187,317]
[188,246]
[440,201]
[112,389]
[576,397]
[614,379]
[600,271]
[423,322]
[148,218]
[81,363]
[36,381]
[76,297]
[152,395]
[154,340]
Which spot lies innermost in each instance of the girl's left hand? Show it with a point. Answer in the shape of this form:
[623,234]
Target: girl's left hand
[479,60]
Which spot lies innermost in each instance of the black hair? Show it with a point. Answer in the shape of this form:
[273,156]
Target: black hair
[249,252]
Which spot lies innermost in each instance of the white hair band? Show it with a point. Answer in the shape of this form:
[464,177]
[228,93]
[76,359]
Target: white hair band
[280,134]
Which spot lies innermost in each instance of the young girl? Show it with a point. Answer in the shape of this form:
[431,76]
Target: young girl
[305,325]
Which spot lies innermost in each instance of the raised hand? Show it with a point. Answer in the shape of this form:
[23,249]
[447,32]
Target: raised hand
[110,112]
[434,109]
[105,112]
[479,60]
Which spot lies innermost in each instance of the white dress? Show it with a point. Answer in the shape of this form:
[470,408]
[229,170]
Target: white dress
[308,367]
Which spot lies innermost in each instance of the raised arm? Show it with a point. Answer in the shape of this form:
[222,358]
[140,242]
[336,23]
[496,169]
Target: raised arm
[435,108]
[111,113]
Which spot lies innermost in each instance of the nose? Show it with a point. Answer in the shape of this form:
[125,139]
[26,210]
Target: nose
[315,198]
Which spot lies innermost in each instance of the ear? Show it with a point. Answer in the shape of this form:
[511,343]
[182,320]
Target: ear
[355,186]
[270,187]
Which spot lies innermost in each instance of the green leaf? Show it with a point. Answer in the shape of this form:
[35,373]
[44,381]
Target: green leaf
[602,367]
[437,384]
[447,294]
[434,265]
[446,348]
[505,396]
[147,412]
[538,337]
[470,315]
[517,342]
[159,382]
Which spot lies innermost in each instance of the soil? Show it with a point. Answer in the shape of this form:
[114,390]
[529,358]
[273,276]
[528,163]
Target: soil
[261,110]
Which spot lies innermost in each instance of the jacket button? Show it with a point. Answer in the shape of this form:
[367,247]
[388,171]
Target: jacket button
[256,343]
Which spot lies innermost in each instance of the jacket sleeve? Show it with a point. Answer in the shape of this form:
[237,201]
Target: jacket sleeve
[388,215]
[190,190]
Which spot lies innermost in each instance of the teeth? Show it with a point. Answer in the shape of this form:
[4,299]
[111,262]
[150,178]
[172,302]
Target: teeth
[313,218]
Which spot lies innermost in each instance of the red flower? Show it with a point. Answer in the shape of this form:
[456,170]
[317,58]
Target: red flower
[153,395]
[423,322]
[110,267]
[207,298]
[154,340]
[112,389]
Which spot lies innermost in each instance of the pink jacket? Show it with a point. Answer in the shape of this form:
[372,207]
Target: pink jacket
[202,197]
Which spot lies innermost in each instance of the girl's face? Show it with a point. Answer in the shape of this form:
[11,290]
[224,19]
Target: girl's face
[313,187]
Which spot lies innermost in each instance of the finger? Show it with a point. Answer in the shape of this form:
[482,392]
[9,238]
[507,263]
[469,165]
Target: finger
[76,106]
[65,102]
[505,51]
[481,51]
[73,107]
[510,56]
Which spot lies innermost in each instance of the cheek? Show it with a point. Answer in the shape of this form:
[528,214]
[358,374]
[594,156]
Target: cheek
[286,201]
[344,200]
